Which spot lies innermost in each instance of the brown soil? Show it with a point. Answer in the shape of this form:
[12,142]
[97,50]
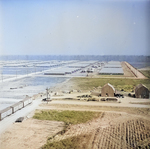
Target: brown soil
[117,127]
[30,134]
[126,70]
[96,106]
[112,130]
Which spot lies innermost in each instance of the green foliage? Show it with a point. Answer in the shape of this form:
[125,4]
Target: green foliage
[126,88]
[69,117]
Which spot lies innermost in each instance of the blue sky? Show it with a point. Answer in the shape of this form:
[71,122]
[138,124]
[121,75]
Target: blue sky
[76,27]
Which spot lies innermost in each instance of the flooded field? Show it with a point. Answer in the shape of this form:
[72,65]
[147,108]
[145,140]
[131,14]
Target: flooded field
[19,79]
[14,91]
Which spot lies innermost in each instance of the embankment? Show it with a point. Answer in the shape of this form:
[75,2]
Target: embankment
[135,72]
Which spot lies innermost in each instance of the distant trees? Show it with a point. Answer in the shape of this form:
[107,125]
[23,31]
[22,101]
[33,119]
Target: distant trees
[128,58]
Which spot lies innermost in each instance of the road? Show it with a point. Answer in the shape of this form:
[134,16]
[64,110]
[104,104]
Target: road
[93,103]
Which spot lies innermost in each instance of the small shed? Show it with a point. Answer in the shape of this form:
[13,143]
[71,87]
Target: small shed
[108,90]
[141,91]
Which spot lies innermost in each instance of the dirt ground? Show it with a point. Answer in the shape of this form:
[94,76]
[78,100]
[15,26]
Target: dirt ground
[112,130]
[117,127]
[30,134]
[126,70]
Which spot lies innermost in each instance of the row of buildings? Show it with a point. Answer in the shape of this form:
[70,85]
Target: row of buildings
[141,91]
[111,68]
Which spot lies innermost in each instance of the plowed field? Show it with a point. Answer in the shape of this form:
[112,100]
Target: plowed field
[111,131]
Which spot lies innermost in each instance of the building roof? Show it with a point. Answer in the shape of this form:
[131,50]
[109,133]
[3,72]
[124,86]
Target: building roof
[111,71]
[139,86]
[110,86]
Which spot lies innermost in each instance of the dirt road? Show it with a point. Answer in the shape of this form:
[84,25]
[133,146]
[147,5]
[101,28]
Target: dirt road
[124,102]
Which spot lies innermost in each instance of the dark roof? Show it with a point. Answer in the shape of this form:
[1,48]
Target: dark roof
[139,86]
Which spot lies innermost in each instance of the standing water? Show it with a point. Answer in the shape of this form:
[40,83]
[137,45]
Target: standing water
[22,78]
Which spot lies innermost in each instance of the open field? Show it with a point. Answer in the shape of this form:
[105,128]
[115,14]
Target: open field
[88,126]
[96,106]
[85,125]
[115,128]
[132,133]
[68,117]
[87,84]
[31,133]
[119,127]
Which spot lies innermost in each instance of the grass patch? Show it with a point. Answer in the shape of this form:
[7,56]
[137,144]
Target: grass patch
[119,83]
[79,142]
[68,117]
[146,73]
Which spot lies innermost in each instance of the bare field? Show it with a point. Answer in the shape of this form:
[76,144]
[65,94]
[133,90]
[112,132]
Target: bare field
[98,107]
[116,127]
[30,134]
[112,131]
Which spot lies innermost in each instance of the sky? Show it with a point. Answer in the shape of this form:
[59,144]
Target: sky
[76,27]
